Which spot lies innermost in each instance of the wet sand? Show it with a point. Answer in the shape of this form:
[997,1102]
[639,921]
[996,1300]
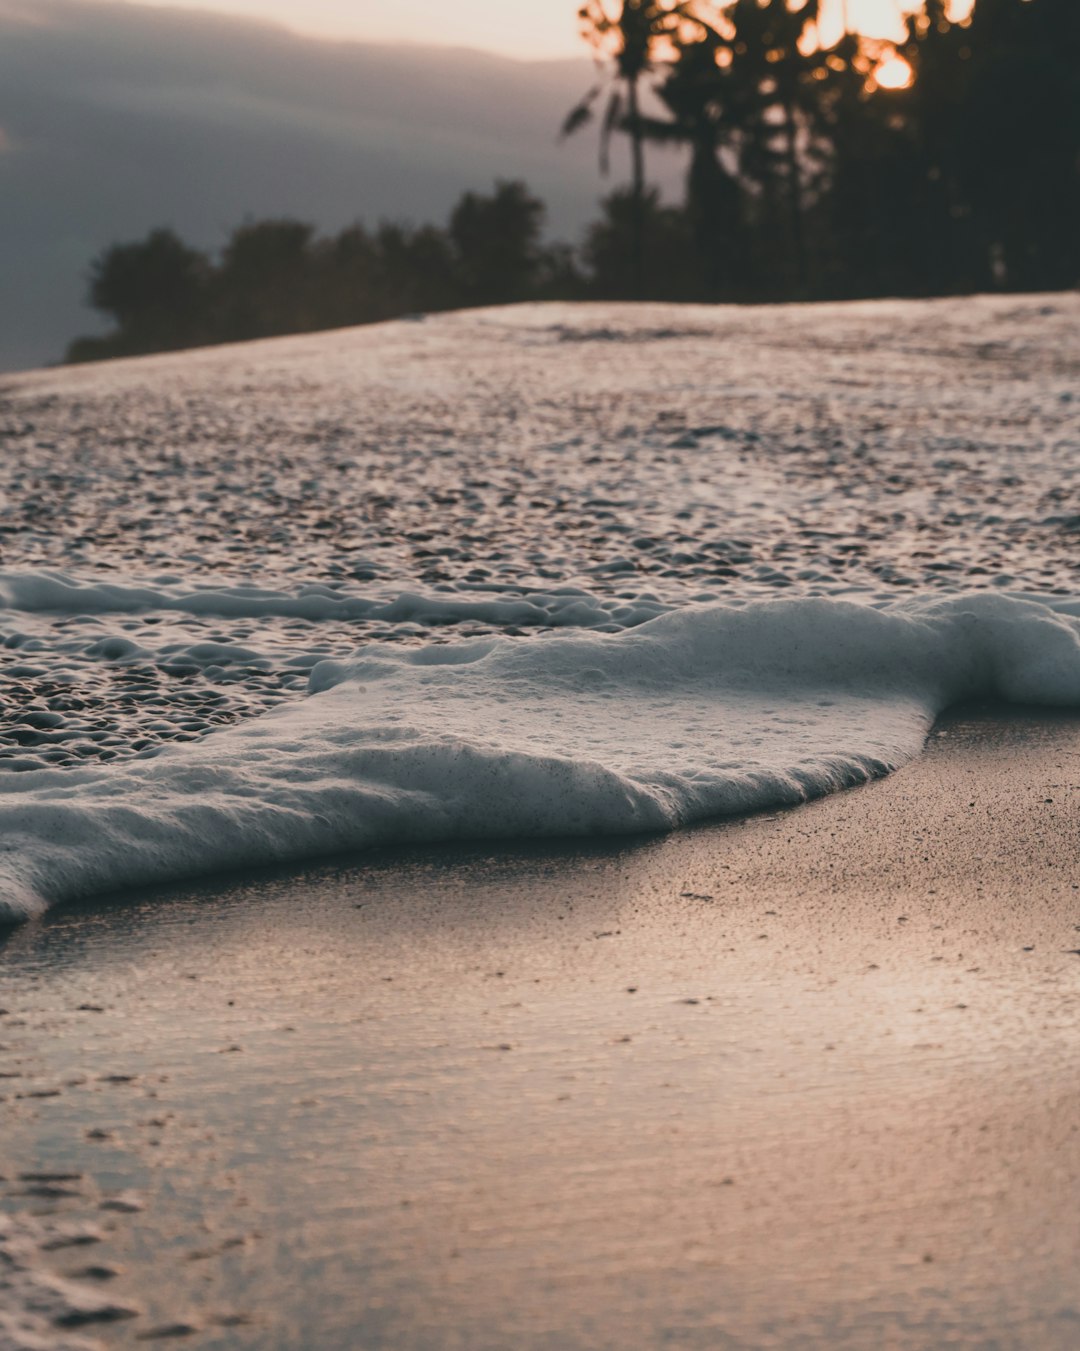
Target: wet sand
[803,1080]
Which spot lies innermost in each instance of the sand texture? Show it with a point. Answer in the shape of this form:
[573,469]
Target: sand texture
[802,1080]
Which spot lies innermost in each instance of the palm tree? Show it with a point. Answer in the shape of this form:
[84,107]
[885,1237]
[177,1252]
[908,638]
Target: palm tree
[697,94]
[745,94]
[775,81]
[627,33]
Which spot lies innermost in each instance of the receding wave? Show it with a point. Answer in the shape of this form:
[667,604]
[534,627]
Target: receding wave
[701,712]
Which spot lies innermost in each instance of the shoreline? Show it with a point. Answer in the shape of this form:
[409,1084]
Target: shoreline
[803,1077]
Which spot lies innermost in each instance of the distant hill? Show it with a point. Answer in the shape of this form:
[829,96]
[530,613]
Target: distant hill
[115,119]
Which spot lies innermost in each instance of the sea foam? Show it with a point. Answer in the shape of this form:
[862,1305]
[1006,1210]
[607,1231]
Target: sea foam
[42,591]
[702,712]
[695,560]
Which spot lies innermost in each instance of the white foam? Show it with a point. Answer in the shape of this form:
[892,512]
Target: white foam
[37,591]
[701,712]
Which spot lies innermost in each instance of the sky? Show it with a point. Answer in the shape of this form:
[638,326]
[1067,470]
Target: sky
[116,120]
[526,29]
[153,113]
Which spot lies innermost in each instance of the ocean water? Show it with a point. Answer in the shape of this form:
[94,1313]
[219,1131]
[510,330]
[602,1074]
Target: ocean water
[552,570]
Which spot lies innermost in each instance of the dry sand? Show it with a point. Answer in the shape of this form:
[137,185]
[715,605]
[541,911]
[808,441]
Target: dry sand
[802,1080]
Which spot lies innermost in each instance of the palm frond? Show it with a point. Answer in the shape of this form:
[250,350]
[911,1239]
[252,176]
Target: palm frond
[612,117]
[580,114]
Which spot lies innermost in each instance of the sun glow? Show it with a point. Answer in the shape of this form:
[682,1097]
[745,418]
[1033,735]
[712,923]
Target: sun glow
[529,29]
[893,73]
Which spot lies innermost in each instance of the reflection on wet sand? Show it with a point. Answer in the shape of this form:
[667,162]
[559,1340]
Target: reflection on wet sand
[797,1080]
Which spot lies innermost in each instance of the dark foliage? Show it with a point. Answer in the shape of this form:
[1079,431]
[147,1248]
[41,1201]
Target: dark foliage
[805,180]
[495,244]
[631,36]
[275,277]
[157,291]
[661,232]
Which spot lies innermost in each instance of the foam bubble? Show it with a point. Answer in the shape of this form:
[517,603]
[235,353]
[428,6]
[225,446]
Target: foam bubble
[702,712]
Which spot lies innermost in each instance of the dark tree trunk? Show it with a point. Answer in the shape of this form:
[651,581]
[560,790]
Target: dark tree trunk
[637,143]
[798,234]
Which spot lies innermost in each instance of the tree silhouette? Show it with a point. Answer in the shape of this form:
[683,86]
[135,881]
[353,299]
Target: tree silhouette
[867,219]
[496,241]
[1016,140]
[698,95]
[264,282]
[277,276]
[804,179]
[770,76]
[155,291]
[995,112]
[612,243]
[745,94]
[418,269]
[627,33]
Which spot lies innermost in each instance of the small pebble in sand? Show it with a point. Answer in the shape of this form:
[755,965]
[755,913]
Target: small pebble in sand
[178,1329]
[96,1271]
[126,1203]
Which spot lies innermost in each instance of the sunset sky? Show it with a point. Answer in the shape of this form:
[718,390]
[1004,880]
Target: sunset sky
[525,28]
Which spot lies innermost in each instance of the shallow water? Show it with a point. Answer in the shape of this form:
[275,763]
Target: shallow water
[193,542]
[644,457]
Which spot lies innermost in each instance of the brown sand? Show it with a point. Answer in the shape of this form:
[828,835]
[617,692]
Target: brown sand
[799,1081]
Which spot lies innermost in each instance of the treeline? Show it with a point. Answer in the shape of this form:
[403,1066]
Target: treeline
[279,276]
[946,163]
[808,178]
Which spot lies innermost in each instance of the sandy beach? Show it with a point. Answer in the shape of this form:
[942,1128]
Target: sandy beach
[799,1080]
[540,710]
